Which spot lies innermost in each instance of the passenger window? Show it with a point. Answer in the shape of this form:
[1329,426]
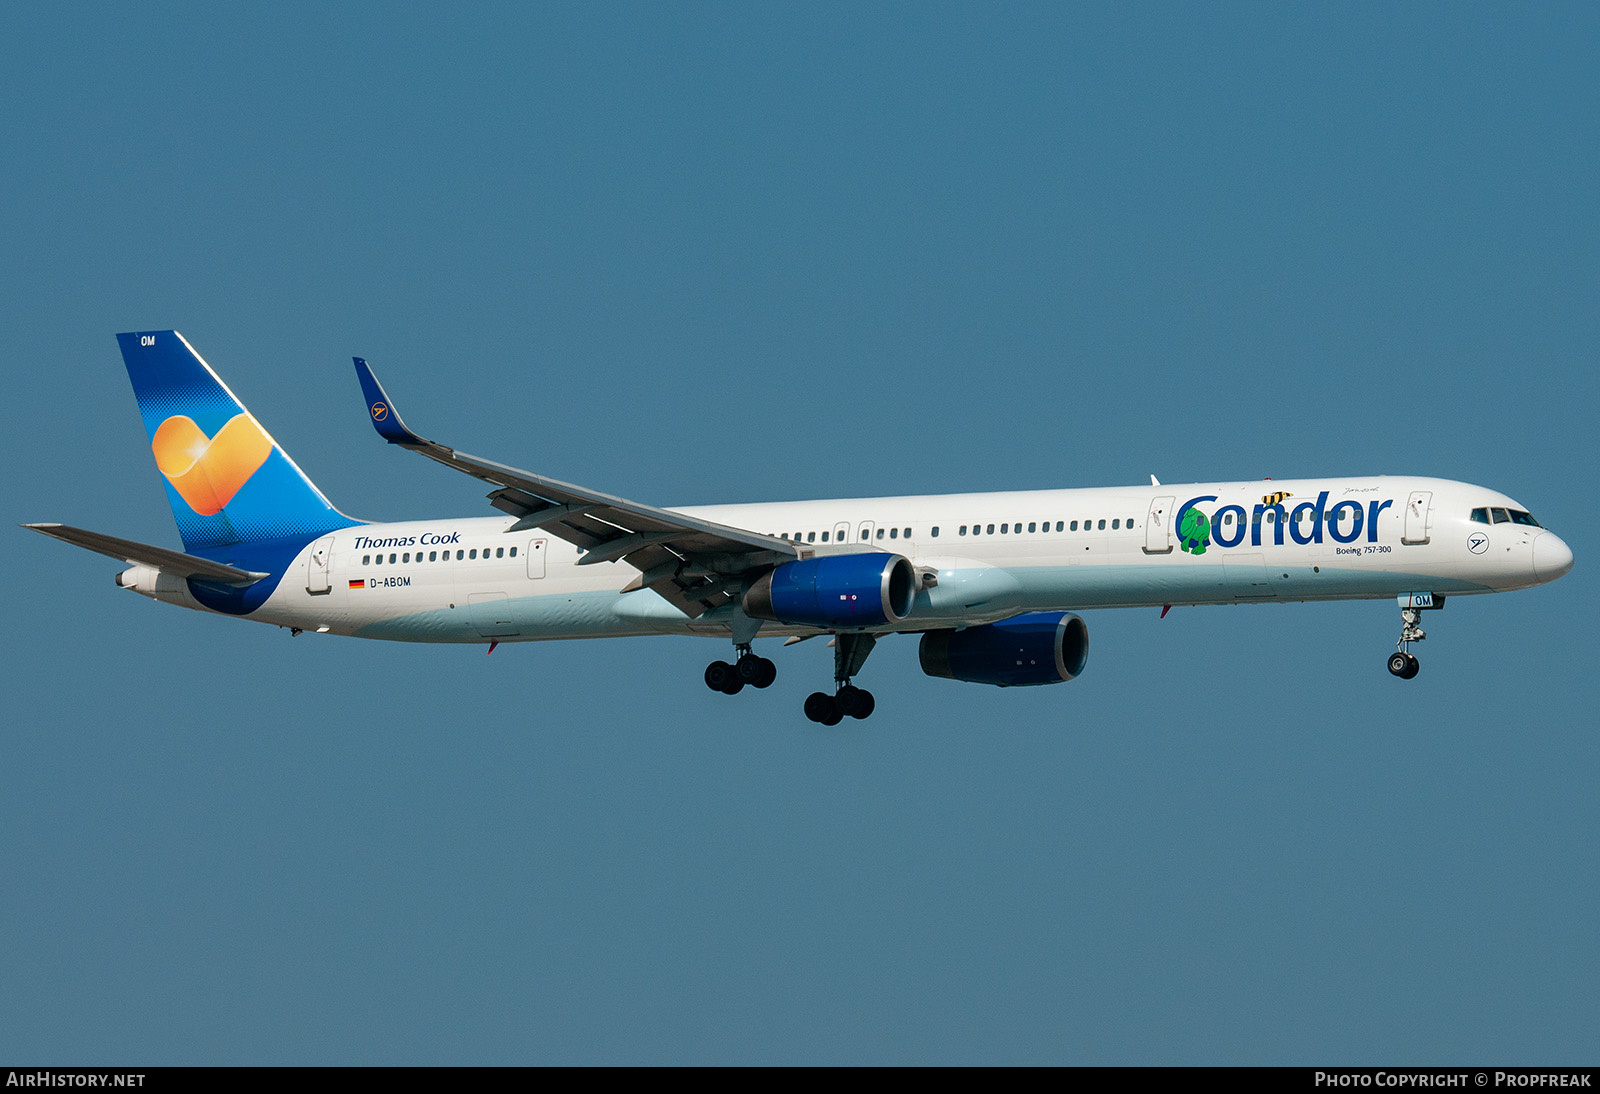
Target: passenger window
[907,534]
[366,560]
[935,531]
[1074,526]
[1118,523]
[1003,528]
[880,532]
[1032,526]
[433,556]
[963,530]
[824,537]
[894,533]
[391,560]
[1102,524]
[513,552]
[1128,523]
[472,553]
[499,552]
[1058,525]
[991,530]
[811,537]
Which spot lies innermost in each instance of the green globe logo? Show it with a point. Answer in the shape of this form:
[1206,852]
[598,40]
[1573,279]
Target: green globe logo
[1195,532]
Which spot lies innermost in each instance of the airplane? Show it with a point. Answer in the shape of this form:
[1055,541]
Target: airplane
[992,582]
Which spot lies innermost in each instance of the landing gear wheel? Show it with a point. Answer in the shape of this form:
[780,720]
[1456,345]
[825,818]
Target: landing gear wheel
[822,707]
[719,675]
[756,671]
[855,702]
[1404,665]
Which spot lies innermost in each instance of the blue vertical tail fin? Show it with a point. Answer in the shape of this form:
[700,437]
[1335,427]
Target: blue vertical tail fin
[228,481]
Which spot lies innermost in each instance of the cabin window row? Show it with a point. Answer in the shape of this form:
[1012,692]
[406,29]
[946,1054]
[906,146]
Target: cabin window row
[438,556]
[1015,528]
[866,534]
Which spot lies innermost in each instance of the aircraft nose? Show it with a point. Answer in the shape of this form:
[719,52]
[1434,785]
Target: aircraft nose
[1551,556]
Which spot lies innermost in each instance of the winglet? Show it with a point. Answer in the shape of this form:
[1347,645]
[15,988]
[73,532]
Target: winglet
[385,419]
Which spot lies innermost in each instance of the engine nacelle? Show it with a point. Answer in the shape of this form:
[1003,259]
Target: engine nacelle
[1035,648]
[860,590]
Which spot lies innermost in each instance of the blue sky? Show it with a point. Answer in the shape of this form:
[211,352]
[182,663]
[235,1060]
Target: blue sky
[728,253]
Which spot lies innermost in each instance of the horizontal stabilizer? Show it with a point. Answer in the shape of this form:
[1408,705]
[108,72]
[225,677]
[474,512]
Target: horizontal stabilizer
[143,554]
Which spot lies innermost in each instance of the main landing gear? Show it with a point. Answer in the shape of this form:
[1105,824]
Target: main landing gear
[1402,662]
[848,701]
[758,672]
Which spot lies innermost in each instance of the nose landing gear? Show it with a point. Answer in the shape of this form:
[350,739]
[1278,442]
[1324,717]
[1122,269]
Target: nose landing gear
[1403,663]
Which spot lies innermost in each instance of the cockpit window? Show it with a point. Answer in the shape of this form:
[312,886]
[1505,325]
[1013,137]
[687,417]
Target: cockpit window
[1481,515]
[1519,517]
[1500,516]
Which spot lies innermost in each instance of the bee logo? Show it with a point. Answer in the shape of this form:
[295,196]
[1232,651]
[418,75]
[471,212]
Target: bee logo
[1275,499]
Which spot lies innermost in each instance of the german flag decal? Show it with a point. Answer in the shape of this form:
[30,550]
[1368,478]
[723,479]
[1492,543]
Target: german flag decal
[358,583]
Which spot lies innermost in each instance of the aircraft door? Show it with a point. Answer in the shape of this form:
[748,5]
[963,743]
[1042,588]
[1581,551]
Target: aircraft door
[318,580]
[1158,526]
[1417,517]
[536,553]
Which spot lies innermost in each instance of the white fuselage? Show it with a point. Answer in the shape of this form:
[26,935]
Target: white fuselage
[984,557]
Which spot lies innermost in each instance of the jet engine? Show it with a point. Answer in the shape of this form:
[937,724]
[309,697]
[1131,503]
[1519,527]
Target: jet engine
[1035,648]
[868,589]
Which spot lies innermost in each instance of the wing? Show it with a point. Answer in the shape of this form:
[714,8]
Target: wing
[696,565]
[143,554]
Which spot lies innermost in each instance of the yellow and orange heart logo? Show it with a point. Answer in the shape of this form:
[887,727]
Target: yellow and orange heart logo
[208,471]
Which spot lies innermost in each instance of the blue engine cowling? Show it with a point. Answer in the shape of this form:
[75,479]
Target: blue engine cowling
[860,590]
[1036,648]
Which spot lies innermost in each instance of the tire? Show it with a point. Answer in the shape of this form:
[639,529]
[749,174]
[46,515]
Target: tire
[1413,666]
[865,705]
[820,707]
[718,675]
[769,673]
[1399,664]
[849,700]
[749,668]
